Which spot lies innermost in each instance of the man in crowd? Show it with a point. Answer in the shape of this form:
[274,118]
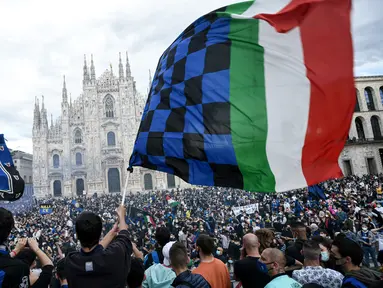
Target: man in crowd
[179,260]
[13,272]
[248,270]
[104,264]
[275,263]
[212,269]
[367,241]
[349,256]
[313,272]
[155,257]
[298,230]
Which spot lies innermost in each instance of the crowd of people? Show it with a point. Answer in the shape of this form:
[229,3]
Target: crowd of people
[330,236]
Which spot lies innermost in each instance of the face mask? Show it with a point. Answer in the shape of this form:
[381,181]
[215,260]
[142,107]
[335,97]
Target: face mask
[364,229]
[325,256]
[218,252]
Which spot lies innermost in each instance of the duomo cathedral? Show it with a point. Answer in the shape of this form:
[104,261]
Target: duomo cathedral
[87,149]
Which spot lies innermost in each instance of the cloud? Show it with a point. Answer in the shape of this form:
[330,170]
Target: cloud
[42,40]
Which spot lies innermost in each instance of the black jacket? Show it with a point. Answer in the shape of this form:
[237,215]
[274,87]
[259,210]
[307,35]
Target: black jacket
[187,279]
[15,272]
[101,267]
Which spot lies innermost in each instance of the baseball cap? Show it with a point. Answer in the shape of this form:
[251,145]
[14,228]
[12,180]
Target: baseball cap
[165,252]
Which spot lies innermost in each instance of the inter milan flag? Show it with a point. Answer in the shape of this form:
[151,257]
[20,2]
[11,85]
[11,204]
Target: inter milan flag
[11,184]
[257,95]
[46,209]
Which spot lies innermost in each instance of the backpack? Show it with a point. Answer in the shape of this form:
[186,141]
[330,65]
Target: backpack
[353,282]
[155,258]
[11,183]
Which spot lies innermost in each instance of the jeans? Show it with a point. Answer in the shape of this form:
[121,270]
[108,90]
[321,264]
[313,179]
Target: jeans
[369,251]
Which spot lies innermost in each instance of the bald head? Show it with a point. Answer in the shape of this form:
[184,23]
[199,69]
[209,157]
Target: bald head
[274,255]
[250,242]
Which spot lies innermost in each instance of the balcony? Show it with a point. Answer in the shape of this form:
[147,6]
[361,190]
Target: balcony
[356,141]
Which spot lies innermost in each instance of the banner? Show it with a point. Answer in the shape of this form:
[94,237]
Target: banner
[45,209]
[249,209]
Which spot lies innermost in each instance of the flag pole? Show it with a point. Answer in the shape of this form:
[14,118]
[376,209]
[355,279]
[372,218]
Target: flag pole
[126,186]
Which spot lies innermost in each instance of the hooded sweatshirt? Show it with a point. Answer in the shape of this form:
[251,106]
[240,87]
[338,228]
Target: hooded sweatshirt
[367,276]
[158,276]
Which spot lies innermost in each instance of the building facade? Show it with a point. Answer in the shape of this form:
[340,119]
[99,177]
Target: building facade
[87,149]
[363,153]
[23,164]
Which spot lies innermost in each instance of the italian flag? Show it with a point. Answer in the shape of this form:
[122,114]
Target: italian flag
[172,203]
[292,90]
[149,219]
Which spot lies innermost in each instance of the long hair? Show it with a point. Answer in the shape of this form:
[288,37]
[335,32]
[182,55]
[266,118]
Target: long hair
[265,238]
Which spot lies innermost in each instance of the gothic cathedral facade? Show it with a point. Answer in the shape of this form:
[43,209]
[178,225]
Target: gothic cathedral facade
[87,149]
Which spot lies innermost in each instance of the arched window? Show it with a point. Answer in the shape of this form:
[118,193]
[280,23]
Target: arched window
[381,94]
[111,139]
[376,127]
[56,161]
[78,137]
[148,182]
[171,181]
[109,107]
[114,180]
[357,106]
[57,188]
[359,128]
[78,159]
[369,95]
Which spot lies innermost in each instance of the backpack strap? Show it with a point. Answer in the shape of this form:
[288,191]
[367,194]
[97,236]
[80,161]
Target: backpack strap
[353,282]
[155,257]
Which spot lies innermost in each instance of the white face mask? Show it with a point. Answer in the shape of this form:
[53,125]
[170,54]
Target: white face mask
[325,256]
[364,229]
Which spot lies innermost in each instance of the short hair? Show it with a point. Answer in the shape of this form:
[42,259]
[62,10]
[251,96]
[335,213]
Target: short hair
[178,255]
[60,269]
[206,244]
[311,250]
[27,256]
[6,224]
[136,274]
[348,248]
[297,225]
[162,236]
[88,229]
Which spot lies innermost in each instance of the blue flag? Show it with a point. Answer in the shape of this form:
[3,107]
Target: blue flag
[46,209]
[317,191]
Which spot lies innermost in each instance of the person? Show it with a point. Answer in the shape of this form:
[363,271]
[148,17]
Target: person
[14,273]
[160,275]
[104,264]
[179,260]
[136,274]
[275,262]
[28,256]
[248,270]
[313,272]
[298,229]
[60,273]
[162,237]
[367,241]
[212,269]
[349,255]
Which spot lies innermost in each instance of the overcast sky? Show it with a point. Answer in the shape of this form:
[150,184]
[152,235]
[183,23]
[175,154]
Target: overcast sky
[41,40]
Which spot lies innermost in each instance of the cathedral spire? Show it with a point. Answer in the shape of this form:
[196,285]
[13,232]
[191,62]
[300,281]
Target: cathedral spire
[128,72]
[85,71]
[120,69]
[92,69]
[42,103]
[64,92]
[51,120]
[36,114]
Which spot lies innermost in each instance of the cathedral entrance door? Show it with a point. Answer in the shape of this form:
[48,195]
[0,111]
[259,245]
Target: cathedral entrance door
[148,182]
[79,186]
[114,180]
[57,188]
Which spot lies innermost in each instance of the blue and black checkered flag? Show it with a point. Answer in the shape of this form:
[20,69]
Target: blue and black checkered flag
[11,183]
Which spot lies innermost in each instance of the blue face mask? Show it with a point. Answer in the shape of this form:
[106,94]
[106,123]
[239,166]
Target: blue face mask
[218,252]
[325,256]
[262,267]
